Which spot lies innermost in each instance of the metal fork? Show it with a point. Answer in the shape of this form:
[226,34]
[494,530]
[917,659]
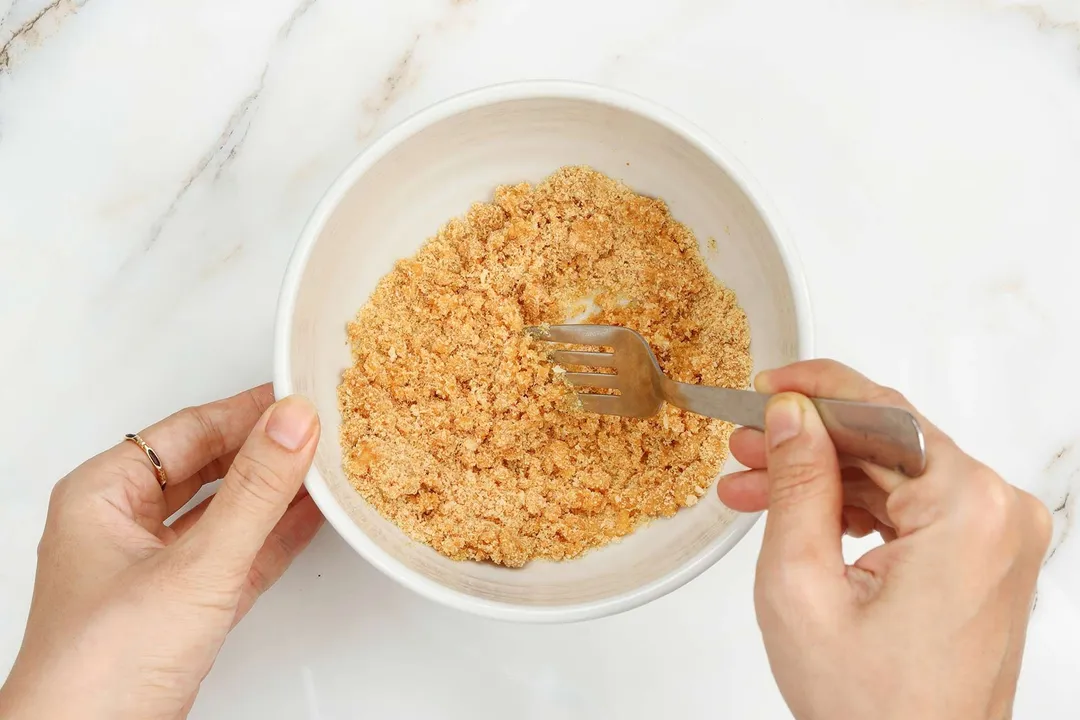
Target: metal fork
[887,436]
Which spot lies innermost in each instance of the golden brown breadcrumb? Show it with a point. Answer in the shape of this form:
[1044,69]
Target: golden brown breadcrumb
[452,425]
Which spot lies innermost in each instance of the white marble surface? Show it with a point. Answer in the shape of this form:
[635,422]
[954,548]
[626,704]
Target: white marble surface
[158,159]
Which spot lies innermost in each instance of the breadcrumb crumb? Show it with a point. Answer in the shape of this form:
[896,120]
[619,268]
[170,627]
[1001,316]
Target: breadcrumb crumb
[453,425]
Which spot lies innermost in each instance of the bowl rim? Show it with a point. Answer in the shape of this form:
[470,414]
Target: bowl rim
[523,90]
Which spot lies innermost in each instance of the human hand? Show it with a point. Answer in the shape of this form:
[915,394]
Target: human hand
[931,624]
[128,614]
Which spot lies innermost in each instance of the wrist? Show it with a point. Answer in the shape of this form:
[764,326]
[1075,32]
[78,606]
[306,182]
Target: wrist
[35,694]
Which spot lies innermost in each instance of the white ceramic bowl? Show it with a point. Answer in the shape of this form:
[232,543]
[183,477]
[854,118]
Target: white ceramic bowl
[433,167]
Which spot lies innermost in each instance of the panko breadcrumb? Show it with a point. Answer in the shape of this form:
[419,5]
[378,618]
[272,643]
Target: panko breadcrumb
[453,425]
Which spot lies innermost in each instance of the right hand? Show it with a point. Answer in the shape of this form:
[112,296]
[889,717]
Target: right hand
[930,625]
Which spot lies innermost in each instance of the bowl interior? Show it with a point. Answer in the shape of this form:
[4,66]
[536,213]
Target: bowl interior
[437,172]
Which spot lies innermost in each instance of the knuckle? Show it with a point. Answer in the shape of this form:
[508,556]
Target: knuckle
[992,502]
[212,471]
[258,479]
[261,397]
[66,500]
[834,367]
[914,504]
[258,580]
[990,515]
[283,547]
[837,374]
[888,396]
[1042,522]
[794,482]
[60,493]
[210,435]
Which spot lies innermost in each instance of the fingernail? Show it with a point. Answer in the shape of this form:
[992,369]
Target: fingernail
[761,382]
[291,422]
[783,419]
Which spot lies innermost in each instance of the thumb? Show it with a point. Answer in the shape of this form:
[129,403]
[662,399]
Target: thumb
[805,493]
[264,478]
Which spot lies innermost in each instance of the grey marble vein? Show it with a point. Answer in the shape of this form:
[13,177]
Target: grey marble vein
[24,34]
[1062,476]
[7,16]
[1063,517]
[376,105]
[230,141]
[299,12]
[403,72]
[221,153]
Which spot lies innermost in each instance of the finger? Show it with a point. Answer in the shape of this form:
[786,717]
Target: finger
[862,492]
[187,443]
[887,479]
[827,379]
[196,436]
[211,472]
[185,522]
[746,491]
[216,468]
[858,522]
[748,447]
[805,494]
[830,379]
[260,484]
[178,495]
[288,539]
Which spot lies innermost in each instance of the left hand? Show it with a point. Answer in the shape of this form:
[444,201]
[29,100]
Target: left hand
[128,615]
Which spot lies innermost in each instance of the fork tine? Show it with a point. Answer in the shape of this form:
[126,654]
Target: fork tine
[582,357]
[575,334]
[603,404]
[596,380]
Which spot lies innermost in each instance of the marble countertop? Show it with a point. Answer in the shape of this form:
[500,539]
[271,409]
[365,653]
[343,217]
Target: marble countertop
[158,159]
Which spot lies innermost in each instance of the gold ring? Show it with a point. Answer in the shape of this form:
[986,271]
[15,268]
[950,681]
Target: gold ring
[152,456]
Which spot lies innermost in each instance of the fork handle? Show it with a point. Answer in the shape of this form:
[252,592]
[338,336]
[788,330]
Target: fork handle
[887,436]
